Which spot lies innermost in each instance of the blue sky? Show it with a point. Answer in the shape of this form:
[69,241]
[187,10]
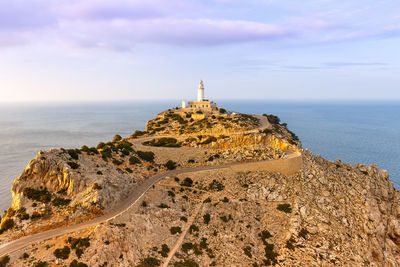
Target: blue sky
[59,50]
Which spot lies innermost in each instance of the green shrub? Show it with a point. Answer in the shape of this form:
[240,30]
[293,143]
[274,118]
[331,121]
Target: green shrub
[41,264]
[164,250]
[193,228]
[138,133]
[117,138]
[25,255]
[99,172]
[284,207]
[59,201]
[163,142]
[79,242]
[73,153]
[62,253]
[117,162]
[226,219]
[89,150]
[75,263]
[38,195]
[170,165]
[134,160]
[101,145]
[186,247]
[203,243]
[216,186]
[149,262]
[106,153]
[186,263]
[78,252]
[272,118]
[163,206]
[207,218]
[129,170]
[226,200]
[35,215]
[270,255]
[144,204]
[125,145]
[184,219]
[187,182]
[222,110]
[171,194]
[146,155]
[208,200]
[247,251]
[23,216]
[4,261]
[265,234]
[303,233]
[73,165]
[175,229]
[289,244]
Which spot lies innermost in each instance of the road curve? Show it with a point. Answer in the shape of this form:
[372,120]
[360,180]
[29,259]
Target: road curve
[119,209]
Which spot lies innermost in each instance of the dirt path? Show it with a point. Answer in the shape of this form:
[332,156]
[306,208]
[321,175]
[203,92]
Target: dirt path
[182,237]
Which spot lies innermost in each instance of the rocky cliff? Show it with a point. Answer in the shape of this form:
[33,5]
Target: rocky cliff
[326,214]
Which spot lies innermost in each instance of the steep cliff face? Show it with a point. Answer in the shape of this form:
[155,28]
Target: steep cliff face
[251,139]
[56,188]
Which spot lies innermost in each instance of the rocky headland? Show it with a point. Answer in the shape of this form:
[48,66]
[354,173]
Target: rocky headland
[222,190]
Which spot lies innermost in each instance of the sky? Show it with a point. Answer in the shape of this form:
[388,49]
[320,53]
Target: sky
[101,50]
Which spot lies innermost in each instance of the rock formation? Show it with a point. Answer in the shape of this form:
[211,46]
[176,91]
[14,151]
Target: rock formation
[325,214]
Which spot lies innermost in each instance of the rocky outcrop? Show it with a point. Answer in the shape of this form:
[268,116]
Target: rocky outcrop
[325,214]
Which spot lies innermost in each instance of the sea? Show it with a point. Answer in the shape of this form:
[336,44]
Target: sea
[355,132]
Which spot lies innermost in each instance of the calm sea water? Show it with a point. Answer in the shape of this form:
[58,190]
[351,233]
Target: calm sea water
[355,132]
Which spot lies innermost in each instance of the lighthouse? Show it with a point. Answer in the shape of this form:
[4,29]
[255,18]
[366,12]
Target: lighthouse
[200,91]
[201,106]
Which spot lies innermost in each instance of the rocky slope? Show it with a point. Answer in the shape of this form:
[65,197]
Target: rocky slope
[327,214]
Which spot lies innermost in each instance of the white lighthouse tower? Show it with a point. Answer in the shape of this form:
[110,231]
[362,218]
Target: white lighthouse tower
[200,91]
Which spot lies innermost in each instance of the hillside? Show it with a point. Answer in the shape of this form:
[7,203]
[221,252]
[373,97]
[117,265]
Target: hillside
[242,192]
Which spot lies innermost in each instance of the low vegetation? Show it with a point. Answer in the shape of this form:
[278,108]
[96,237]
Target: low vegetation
[6,224]
[270,254]
[59,201]
[170,165]
[164,250]
[247,251]
[175,230]
[41,195]
[62,253]
[73,165]
[186,263]
[163,142]
[284,207]
[272,118]
[4,261]
[146,155]
[149,262]
[134,160]
[75,263]
[188,182]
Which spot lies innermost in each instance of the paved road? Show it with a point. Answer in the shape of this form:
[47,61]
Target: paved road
[131,200]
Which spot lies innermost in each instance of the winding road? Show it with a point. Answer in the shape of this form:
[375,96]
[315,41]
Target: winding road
[131,200]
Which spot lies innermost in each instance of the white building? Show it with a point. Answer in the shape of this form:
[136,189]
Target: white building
[201,104]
